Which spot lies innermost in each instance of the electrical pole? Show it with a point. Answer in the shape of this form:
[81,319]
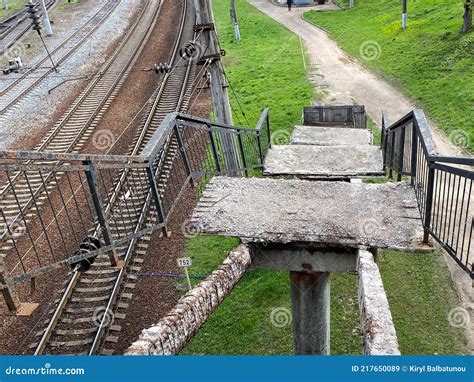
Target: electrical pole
[351,3]
[220,97]
[467,16]
[404,14]
[5,5]
[233,18]
[46,22]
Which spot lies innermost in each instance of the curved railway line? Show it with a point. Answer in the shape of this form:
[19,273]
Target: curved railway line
[15,26]
[73,130]
[19,88]
[85,320]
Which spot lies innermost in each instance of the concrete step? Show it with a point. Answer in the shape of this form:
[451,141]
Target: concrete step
[324,162]
[312,213]
[328,136]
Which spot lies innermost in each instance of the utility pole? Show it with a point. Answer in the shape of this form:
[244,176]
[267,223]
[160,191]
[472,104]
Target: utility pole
[351,3]
[220,97]
[467,16]
[404,14]
[233,18]
[46,22]
[5,5]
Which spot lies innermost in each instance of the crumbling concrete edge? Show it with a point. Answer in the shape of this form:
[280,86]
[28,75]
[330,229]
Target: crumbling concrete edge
[378,332]
[171,334]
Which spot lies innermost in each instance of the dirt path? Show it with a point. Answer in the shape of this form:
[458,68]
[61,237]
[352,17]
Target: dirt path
[345,81]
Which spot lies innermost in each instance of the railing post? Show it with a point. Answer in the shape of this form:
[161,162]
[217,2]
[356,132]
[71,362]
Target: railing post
[401,155]
[259,142]
[214,149]
[184,154]
[242,152]
[414,153]
[156,196]
[392,152]
[91,177]
[268,132]
[429,202]
[7,291]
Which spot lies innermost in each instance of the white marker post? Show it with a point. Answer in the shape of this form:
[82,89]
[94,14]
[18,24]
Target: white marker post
[185,262]
[404,14]
[46,22]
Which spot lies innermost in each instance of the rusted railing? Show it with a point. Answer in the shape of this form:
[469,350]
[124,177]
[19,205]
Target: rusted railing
[63,210]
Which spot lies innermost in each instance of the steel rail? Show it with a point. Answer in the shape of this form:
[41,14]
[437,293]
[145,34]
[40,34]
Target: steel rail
[108,8]
[17,20]
[139,143]
[73,144]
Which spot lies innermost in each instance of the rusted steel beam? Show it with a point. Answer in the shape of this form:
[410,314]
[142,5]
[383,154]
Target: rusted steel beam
[378,331]
[45,155]
[175,330]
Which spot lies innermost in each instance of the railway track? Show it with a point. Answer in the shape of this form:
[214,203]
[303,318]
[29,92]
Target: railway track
[74,129]
[21,87]
[87,316]
[15,26]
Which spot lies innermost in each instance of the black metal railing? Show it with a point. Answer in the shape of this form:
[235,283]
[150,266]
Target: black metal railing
[51,203]
[329,115]
[443,185]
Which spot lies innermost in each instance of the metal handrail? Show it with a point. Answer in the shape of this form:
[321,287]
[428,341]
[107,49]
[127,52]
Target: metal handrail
[443,191]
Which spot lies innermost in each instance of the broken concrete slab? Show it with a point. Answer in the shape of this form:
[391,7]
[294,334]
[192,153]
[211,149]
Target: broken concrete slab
[322,162]
[328,136]
[279,211]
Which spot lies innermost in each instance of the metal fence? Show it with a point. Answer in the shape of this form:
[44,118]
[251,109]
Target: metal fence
[348,116]
[63,210]
[443,185]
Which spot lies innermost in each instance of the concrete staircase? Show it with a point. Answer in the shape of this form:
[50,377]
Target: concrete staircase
[326,151]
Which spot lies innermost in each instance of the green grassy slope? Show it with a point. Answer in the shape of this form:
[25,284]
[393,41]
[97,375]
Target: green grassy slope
[431,60]
[258,69]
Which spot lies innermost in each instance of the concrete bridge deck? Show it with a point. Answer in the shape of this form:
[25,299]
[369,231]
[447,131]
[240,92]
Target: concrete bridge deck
[280,211]
[324,162]
[330,136]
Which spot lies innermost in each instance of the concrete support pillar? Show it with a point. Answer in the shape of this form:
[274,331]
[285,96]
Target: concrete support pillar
[310,298]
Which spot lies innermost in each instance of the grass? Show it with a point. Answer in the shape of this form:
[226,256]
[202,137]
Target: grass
[13,6]
[419,289]
[265,67]
[431,60]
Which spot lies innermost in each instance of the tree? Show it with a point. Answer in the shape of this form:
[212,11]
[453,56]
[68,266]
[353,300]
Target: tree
[467,16]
